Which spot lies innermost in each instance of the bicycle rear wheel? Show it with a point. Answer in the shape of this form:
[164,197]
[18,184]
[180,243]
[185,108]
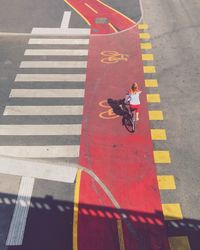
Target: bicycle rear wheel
[129,125]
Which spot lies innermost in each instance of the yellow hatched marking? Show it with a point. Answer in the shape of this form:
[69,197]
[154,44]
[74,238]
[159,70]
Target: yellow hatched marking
[147,57]
[166,182]
[158,134]
[75,216]
[149,69]
[179,243]
[172,211]
[161,157]
[153,98]
[144,36]
[151,83]
[143,26]
[110,24]
[145,46]
[90,7]
[156,115]
[120,235]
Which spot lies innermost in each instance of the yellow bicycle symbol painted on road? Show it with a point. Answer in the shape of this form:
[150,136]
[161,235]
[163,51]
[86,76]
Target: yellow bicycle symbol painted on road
[111,57]
[108,114]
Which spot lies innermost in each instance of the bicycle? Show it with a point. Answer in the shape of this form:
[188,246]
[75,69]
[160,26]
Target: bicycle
[129,117]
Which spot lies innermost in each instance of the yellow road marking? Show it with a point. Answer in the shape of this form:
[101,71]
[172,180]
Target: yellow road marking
[145,46]
[179,243]
[151,83]
[153,98]
[172,211]
[78,12]
[116,11]
[110,24]
[147,57]
[161,157]
[75,217]
[155,115]
[143,26]
[149,69]
[120,235]
[90,7]
[144,36]
[158,134]
[166,182]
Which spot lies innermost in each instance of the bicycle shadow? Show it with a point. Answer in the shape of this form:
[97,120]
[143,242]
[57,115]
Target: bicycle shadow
[120,109]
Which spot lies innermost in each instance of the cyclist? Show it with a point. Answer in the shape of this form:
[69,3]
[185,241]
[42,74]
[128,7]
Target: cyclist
[134,99]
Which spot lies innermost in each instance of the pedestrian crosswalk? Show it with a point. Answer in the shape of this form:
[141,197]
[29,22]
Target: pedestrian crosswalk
[45,107]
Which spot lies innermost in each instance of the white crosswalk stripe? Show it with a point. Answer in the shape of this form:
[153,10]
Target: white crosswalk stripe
[53,64]
[58,41]
[56,52]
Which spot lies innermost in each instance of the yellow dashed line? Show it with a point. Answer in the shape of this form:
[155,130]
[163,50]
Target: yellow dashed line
[158,134]
[161,157]
[144,36]
[92,9]
[149,69]
[172,211]
[120,235]
[153,98]
[147,57]
[155,115]
[75,217]
[143,26]
[151,83]
[166,182]
[145,46]
[179,243]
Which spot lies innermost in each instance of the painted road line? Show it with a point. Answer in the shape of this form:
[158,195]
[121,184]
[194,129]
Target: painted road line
[58,41]
[152,98]
[143,26]
[54,172]
[50,78]
[120,235]
[151,83]
[18,223]
[172,211]
[47,93]
[144,36]
[64,151]
[112,27]
[179,243]
[62,129]
[75,217]
[60,31]
[92,9]
[147,57]
[145,46]
[149,69]
[53,64]
[158,134]
[166,182]
[156,115]
[43,110]
[56,52]
[162,157]
[66,19]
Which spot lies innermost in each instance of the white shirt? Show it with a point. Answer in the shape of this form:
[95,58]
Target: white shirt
[135,98]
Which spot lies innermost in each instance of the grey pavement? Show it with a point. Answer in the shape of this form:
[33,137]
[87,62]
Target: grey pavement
[175,33]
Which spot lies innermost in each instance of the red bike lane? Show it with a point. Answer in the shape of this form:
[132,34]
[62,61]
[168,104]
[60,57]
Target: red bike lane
[123,161]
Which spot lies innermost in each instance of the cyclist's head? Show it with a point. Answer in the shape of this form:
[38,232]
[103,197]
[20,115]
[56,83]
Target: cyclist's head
[134,87]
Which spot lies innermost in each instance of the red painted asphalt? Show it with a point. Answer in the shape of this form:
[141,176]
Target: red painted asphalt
[92,9]
[123,161]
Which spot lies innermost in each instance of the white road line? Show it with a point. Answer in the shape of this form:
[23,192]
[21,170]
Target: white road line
[56,52]
[66,19]
[18,223]
[30,168]
[62,129]
[53,64]
[43,110]
[47,93]
[50,78]
[60,31]
[64,151]
[58,41]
